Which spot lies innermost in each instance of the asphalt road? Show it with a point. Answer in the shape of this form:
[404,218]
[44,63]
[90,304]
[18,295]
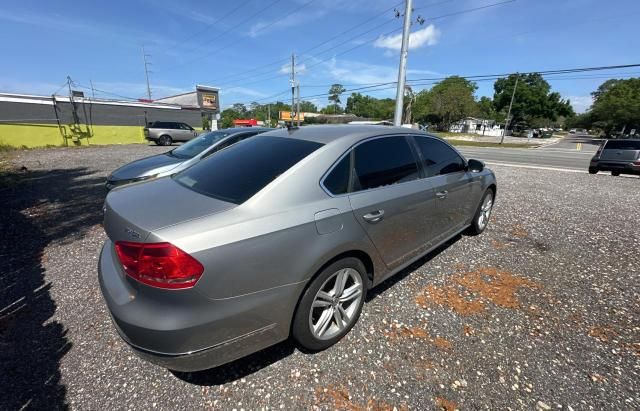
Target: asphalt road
[572,153]
[542,311]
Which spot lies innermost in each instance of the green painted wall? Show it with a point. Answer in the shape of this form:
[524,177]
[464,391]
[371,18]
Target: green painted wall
[39,135]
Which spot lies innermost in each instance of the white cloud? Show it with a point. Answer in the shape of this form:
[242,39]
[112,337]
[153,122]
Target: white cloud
[427,36]
[245,91]
[357,72]
[580,103]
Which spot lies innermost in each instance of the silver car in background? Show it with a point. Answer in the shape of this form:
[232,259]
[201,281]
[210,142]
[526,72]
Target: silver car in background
[280,235]
[165,133]
[181,157]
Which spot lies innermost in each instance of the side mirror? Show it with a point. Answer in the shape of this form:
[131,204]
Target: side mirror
[475,166]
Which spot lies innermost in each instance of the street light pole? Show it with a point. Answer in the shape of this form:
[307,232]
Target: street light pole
[293,85]
[506,122]
[402,70]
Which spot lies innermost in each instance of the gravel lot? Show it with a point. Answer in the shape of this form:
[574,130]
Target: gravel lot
[542,311]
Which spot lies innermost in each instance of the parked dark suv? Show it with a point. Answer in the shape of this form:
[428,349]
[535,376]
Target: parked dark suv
[617,156]
[164,133]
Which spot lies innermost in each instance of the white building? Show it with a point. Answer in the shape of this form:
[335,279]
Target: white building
[472,125]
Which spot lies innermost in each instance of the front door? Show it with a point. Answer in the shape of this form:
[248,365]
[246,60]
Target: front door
[452,185]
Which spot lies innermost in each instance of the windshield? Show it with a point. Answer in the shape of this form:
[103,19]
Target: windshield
[236,173]
[195,146]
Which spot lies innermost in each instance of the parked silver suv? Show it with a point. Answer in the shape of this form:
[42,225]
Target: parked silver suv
[165,133]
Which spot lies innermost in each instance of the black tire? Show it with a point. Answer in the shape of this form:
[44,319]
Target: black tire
[301,326]
[593,170]
[165,140]
[615,173]
[476,227]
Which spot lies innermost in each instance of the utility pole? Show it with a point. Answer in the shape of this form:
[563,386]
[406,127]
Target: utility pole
[146,72]
[293,84]
[269,113]
[506,122]
[93,92]
[402,70]
[298,102]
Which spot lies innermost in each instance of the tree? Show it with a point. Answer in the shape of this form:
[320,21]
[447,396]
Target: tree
[616,105]
[451,100]
[308,107]
[486,110]
[335,92]
[227,116]
[533,102]
[370,107]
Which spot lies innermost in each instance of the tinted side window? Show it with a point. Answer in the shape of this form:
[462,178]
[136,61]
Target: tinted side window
[438,158]
[622,145]
[384,161]
[337,182]
[239,172]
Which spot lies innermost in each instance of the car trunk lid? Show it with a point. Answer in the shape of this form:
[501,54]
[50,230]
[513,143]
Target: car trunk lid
[133,212]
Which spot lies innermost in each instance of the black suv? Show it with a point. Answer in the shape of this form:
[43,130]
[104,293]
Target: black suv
[617,156]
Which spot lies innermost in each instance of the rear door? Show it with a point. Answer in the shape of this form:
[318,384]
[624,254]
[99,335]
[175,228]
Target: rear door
[389,199]
[457,191]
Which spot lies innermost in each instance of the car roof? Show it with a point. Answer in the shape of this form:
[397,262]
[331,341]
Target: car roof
[233,130]
[326,134]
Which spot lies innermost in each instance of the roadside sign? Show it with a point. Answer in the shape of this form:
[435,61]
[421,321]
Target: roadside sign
[286,116]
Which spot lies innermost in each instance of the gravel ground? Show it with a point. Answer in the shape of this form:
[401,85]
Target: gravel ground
[542,311]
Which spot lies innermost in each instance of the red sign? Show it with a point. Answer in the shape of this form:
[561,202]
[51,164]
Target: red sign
[245,123]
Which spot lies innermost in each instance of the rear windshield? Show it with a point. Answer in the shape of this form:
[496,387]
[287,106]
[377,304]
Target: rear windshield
[622,145]
[240,171]
[195,146]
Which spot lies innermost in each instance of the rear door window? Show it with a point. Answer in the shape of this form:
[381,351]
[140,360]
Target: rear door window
[240,171]
[437,157]
[384,161]
[622,145]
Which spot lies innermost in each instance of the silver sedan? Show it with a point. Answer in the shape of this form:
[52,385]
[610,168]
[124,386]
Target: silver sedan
[280,236]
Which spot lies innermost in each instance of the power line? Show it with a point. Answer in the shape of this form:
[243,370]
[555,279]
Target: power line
[482,77]
[216,21]
[234,27]
[366,42]
[364,22]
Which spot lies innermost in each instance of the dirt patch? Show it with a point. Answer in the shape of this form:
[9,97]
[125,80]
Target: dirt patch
[418,333]
[498,245]
[338,398]
[499,287]
[519,231]
[467,293]
[451,297]
[604,334]
[442,343]
[446,405]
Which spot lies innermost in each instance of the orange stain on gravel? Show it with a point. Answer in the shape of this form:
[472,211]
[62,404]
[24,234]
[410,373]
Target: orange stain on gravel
[338,398]
[445,405]
[466,293]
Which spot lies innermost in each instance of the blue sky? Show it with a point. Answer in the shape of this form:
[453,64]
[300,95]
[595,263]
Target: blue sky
[216,42]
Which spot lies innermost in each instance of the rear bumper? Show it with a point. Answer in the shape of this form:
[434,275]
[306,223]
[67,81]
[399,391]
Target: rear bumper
[185,331]
[621,166]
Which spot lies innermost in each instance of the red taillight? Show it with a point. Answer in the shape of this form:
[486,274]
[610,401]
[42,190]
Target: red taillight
[161,265]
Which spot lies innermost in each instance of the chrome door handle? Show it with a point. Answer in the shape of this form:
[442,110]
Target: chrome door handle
[442,194]
[374,217]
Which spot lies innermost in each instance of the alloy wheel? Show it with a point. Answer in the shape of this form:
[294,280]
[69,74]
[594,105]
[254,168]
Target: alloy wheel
[485,211]
[335,304]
